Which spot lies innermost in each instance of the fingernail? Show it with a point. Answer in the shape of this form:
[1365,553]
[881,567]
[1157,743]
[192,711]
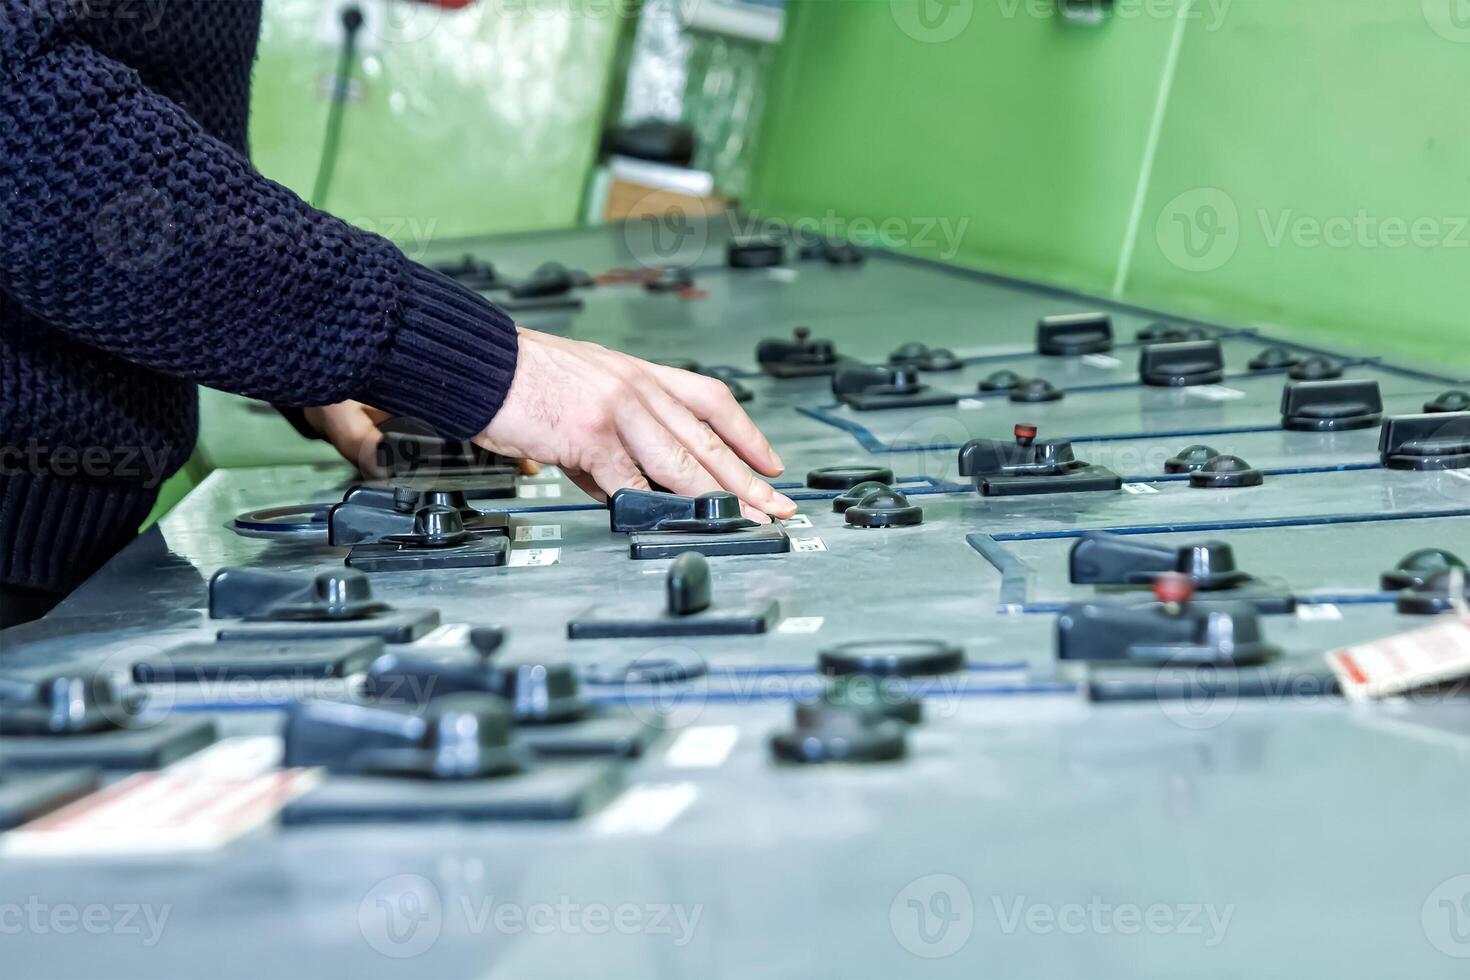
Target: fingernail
[780,466]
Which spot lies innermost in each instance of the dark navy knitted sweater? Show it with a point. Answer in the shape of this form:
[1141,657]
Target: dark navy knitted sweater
[140,255]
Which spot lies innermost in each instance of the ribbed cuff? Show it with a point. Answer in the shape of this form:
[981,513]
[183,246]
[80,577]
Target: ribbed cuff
[55,532]
[451,360]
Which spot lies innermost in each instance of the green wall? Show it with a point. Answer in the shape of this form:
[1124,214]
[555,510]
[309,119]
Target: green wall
[1296,162]
[465,122]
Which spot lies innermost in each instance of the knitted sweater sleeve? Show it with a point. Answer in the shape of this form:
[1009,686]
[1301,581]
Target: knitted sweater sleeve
[127,227]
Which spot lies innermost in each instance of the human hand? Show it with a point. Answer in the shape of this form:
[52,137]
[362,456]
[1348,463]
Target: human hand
[352,429]
[608,419]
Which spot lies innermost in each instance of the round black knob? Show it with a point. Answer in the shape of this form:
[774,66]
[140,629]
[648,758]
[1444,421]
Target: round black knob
[1450,401]
[1224,472]
[908,353]
[1034,390]
[892,658]
[1001,380]
[1190,459]
[884,508]
[717,505]
[827,733]
[1315,368]
[542,694]
[1418,567]
[343,587]
[1273,359]
[1433,595]
[854,496]
[847,476]
[874,695]
[939,359]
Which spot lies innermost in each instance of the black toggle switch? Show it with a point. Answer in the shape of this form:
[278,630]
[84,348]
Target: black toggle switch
[717,512]
[1315,368]
[258,660]
[1190,458]
[65,720]
[1033,390]
[1418,567]
[1449,401]
[547,280]
[824,732]
[461,736]
[1225,472]
[884,508]
[755,252]
[854,495]
[1002,380]
[1274,359]
[710,524]
[538,693]
[1029,466]
[689,610]
[1433,441]
[1435,594]
[336,604]
[925,358]
[1330,406]
[439,539]
[872,388]
[372,513]
[63,704]
[1194,362]
[471,273]
[1173,631]
[847,477]
[800,357]
[409,448]
[1099,558]
[841,253]
[892,658]
[1074,333]
[1161,333]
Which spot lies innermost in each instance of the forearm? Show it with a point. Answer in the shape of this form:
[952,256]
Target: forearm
[126,226]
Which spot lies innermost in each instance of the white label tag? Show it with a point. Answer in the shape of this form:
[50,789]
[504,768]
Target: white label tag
[1101,360]
[1139,488]
[801,624]
[808,544]
[538,491]
[970,404]
[1395,664]
[702,747]
[535,557]
[1315,612]
[800,520]
[782,274]
[448,635]
[644,810]
[538,532]
[198,804]
[1215,393]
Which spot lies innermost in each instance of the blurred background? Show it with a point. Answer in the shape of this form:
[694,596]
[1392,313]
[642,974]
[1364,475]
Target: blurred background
[1297,163]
